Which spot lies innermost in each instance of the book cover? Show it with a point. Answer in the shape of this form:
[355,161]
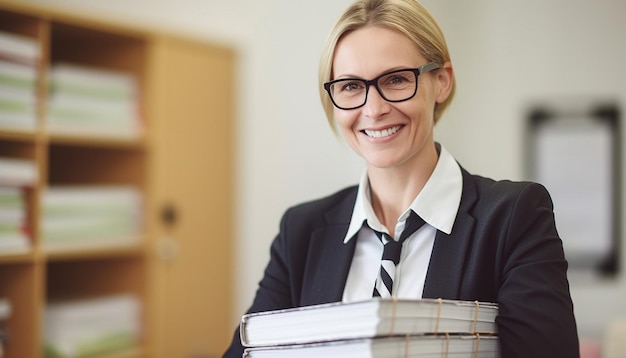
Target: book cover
[432,346]
[365,319]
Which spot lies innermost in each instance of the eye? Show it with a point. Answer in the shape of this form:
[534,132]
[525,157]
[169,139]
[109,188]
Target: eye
[350,86]
[399,79]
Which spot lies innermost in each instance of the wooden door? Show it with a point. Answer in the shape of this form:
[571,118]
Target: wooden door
[191,95]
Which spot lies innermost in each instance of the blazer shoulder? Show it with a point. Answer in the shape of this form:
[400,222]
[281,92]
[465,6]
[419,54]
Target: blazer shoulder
[300,222]
[490,191]
[334,205]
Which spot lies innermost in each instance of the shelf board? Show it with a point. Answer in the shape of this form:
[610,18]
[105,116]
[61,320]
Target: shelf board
[18,135]
[128,353]
[96,141]
[18,257]
[91,252]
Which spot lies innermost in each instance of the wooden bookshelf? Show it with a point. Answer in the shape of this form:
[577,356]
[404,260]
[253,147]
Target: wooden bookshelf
[183,164]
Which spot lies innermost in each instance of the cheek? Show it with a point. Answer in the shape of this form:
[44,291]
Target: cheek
[346,122]
[345,119]
[421,107]
[415,110]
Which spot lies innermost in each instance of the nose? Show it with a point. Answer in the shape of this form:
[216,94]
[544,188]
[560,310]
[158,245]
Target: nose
[375,105]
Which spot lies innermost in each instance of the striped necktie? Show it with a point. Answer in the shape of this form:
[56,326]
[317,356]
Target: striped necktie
[391,255]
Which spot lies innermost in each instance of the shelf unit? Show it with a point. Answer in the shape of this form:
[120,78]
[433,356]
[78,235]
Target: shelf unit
[183,166]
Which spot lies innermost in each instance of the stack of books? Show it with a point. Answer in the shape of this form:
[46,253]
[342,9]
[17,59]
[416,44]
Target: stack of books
[90,217]
[16,175]
[14,237]
[5,314]
[93,102]
[17,172]
[375,328]
[19,59]
[91,327]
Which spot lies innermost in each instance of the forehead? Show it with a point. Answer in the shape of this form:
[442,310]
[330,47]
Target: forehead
[371,50]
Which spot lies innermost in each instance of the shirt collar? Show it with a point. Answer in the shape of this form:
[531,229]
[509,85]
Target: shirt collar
[437,203]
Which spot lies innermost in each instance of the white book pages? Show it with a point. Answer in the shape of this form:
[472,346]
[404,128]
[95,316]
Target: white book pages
[388,347]
[91,326]
[17,122]
[12,215]
[10,194]
[18,109]
[12,206]
[5,308]
[14,244]
[70,114]
[18,47]
[92,82]
[17,172]
[81,217]
[91,196]
[18,76]
[87,101]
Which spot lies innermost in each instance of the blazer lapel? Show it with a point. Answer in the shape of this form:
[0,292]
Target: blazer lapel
[446,267]
[328,258]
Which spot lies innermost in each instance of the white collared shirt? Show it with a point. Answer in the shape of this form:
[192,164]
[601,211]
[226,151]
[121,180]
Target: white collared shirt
[437,203]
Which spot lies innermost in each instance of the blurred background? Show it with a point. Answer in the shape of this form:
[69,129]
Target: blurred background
[509,57]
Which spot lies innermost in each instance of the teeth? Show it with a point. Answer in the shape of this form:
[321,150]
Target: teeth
[381,134]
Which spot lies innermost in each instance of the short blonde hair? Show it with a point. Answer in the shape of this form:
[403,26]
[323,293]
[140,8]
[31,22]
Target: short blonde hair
[408,17]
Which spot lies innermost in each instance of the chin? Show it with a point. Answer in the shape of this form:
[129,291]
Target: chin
[383,163]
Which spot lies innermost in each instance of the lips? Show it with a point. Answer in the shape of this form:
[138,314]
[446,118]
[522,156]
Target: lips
[381,133]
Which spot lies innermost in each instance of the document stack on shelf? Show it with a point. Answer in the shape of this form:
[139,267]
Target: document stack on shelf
[5,314]
[375,328]
[17,172]
[91,327]
[93,101]
[19,60]
[90,217]
[16,175]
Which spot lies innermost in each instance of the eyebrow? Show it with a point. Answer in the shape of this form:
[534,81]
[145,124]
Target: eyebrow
[351,76]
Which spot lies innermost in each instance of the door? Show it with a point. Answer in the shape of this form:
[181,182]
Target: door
[191,109]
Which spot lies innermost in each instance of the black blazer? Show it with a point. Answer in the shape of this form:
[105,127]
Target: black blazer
[504,248]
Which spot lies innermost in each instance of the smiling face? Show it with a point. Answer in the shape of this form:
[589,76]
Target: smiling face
[389,134]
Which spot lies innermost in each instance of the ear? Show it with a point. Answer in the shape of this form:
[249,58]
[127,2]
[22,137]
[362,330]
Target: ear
[445,81]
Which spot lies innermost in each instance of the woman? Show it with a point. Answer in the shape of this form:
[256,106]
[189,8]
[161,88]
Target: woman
[386,78]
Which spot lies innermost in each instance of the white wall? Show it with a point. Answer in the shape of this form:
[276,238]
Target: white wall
[506,55]
[509,54]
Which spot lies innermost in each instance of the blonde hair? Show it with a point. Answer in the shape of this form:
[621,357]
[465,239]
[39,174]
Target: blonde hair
[408,17]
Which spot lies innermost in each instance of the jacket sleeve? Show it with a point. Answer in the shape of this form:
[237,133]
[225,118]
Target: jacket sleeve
[274,290]
[536,316]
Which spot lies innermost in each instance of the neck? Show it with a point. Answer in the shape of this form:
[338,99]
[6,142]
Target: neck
[394,189]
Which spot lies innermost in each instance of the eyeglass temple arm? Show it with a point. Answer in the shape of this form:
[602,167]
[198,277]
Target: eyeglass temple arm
[429,67]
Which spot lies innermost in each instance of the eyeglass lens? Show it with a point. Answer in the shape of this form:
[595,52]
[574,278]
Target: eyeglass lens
[394,87]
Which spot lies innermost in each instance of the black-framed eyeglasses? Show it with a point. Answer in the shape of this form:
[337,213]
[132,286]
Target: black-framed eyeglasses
[394,86]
